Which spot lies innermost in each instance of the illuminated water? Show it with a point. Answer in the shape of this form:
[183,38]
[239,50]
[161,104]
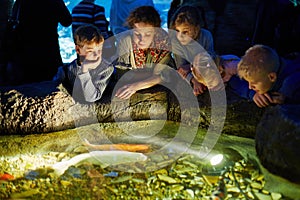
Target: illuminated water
[162,176]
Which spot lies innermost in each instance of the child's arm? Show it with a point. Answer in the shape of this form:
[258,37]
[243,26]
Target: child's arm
[184,71]
[126,91]
[277,98]
[198,88]
[92,88]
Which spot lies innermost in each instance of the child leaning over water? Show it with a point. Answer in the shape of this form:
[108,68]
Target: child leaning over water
[190,40]
[87,76]
[274,79]
[145,51]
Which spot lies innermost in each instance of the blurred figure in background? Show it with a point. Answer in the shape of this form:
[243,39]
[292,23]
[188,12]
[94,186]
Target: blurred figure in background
[87,12]
[175,4]
[278,26]
[38,53]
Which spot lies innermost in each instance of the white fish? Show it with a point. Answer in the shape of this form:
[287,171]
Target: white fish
[102,158]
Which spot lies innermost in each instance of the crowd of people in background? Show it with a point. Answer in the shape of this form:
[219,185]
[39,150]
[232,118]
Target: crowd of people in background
[264,75]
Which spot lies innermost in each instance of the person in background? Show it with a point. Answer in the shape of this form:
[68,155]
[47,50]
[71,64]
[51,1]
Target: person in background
[277,25]
[86,77]
[120,10]
[87,12]
[175,4]
[274,79]
[188,41]
[145,51]
[38,55]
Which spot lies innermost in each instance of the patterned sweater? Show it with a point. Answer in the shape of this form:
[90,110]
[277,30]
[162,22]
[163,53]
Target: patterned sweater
[157,58]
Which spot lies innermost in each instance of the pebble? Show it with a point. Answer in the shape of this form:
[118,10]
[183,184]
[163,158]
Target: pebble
[181,179]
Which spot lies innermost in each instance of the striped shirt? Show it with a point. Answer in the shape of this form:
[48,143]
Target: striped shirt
[89,13]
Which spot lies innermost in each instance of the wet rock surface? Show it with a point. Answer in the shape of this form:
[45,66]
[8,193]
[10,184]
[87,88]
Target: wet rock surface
[46,107]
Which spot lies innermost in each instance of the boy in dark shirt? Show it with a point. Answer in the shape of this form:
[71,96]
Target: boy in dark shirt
[275,80]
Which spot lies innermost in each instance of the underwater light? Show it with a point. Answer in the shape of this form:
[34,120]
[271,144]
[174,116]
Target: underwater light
[214,168]
[216,159]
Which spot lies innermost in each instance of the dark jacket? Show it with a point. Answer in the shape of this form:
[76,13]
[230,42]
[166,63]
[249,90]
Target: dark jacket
[288,81]
[39,50]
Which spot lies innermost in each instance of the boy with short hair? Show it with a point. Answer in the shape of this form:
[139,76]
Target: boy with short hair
[87,76]
[275,80]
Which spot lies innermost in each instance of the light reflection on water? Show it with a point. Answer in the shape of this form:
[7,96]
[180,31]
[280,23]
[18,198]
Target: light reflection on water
[187,177]
[65,34]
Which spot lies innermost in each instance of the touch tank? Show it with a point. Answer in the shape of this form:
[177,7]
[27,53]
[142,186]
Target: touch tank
[228,172]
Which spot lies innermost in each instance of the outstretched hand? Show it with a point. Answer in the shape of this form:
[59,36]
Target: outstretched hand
[126,91]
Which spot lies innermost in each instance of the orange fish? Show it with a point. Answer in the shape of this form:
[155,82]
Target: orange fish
[6,177]
[144,148]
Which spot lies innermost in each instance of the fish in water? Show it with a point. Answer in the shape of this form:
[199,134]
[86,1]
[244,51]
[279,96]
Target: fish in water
[6,177]
[102,158]
[144,148]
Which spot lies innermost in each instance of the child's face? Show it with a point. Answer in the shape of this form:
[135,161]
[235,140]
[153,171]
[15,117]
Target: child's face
[261,82]
[90,52]
[184,33]
[143,35]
